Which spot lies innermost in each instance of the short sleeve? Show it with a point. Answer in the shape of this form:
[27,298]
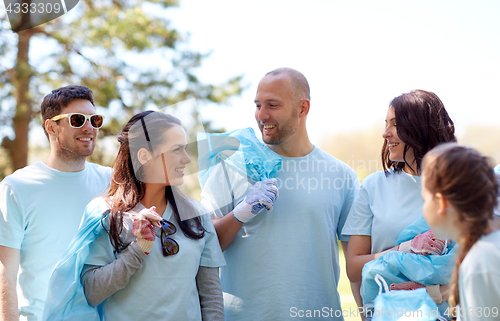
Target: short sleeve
[211,255]
[351,189]
[224,189]
[12,222]
[360,218]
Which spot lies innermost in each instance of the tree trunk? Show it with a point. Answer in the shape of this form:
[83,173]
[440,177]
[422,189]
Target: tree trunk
[18,148]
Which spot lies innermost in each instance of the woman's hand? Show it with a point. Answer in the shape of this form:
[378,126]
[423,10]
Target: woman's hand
[424,244]
[438,293]
[144,228]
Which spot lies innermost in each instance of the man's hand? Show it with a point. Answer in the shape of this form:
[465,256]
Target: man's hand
[262,195]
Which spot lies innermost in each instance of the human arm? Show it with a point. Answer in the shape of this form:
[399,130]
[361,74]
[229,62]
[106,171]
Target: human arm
[227,228]
[262,196]
[210,293]
[438,293]
[425,244]
[358,226]
[358,254]
[9,265]
[100,282]
[355,286]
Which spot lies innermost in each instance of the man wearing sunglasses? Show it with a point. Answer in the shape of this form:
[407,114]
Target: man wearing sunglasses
[283,264]
[42,204]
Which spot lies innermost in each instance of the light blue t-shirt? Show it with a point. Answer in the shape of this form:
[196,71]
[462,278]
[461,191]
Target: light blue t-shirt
[286,260]
[164,288]
[384,206]
[40,211]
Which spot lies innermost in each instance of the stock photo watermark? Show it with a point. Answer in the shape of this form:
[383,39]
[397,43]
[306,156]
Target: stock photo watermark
[26,14]
[327,312]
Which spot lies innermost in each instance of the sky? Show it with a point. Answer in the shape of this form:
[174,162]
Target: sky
[356,55]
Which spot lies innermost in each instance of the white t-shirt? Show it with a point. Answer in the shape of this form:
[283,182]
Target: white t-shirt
[286,261]
[479,280]
[385,206]
[40,212]
[164,288]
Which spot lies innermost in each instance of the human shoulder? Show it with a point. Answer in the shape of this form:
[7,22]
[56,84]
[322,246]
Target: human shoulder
[96,168]
[25,175]
[320,155]
[377,178]
[99,203]
[198,207]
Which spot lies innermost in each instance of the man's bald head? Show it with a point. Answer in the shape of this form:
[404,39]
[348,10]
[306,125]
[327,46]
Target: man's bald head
[298,82]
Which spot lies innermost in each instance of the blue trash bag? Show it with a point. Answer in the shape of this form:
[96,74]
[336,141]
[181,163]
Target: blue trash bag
[403,305]
[66,299]
[399,267]
[240,150]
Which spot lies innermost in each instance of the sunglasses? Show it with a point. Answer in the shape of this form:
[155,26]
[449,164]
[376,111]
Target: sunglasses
[168,245]
[77,120]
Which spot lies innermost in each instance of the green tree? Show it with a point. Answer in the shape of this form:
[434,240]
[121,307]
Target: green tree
[125,51]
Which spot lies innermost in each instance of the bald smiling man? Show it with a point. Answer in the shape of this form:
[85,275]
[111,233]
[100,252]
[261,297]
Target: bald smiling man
[284,263]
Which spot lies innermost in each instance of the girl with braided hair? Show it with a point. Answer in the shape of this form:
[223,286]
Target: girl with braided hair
[460,191]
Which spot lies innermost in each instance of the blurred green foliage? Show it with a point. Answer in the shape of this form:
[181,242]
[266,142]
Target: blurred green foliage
[125,51]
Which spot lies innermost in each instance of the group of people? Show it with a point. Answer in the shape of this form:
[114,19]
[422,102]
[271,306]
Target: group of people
[124,243]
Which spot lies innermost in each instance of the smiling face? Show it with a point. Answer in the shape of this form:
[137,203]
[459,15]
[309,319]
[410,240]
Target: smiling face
[74,143]
[394,144]
[169,164]
[277,113]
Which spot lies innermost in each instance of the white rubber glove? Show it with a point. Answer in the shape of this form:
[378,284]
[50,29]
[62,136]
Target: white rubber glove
[144,228]
[262,195]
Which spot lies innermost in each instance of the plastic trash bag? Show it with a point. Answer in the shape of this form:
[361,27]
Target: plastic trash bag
[66,300]
[240,150]
[398,267]
[403,305]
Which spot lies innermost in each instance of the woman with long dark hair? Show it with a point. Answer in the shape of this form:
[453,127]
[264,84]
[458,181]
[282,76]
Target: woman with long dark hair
[460,191]
[390,200]
[159,257]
